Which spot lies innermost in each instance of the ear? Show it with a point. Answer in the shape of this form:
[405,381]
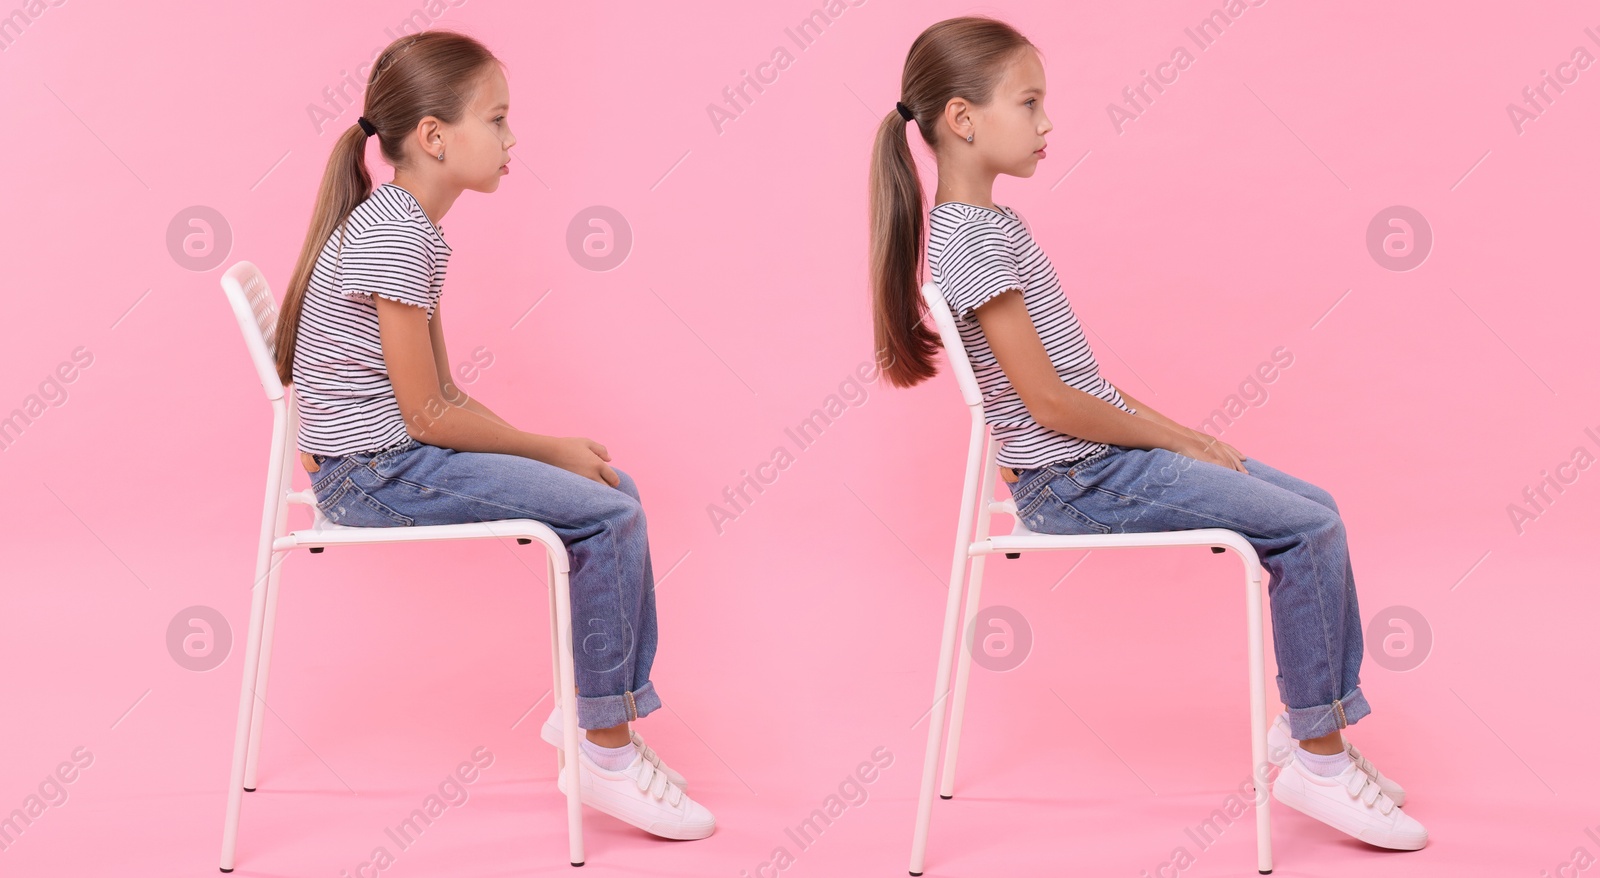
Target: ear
[958,117]
[429,135]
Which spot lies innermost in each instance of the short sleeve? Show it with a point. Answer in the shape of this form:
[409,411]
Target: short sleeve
[389,259]
[977,264]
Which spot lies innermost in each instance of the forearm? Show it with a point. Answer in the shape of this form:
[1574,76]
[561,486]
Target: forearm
[1088,417]
[1144,410]
[470,426]
[468,402]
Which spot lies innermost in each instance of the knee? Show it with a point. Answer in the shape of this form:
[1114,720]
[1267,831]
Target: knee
[625,502]
[625,484]
[1329,520]
[1326,499]
[1321,496]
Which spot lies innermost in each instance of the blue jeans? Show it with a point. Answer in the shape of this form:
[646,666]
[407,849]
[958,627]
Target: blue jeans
[1293,525]
[603,529]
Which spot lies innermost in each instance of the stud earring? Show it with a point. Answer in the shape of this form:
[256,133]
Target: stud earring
[969,138]
[441,155]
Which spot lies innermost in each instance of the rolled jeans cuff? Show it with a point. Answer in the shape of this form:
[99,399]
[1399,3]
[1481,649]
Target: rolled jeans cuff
[605,711]
[1314,722]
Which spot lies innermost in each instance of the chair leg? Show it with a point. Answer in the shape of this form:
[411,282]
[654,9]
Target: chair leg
[566,692]
[555,654]
[963,671]
[285,482]
[941,690]
[1258,718]
[252,653]
[264,664]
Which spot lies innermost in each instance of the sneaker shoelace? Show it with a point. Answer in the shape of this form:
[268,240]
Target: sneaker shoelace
[1362,786]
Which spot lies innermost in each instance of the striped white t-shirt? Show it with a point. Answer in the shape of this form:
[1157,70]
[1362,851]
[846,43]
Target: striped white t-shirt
[976,254]
[342,391]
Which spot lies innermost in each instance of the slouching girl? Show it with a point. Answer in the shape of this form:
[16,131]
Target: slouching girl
[389,438]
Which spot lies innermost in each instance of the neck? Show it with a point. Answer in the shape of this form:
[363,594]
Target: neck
[965,187]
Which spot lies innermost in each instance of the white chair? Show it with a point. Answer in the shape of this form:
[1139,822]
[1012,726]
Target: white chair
[257,313]
[981,451]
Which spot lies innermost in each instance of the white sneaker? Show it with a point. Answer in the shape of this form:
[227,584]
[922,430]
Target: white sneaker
[1350,802]
[1281,747]
[551,733]
[641,795]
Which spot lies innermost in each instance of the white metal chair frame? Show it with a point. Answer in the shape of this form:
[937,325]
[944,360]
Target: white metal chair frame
[257,313]
[981,450]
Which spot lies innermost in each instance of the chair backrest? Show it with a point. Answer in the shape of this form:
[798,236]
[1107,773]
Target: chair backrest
[979,481]
[250,299]
[954,348]
[257,313]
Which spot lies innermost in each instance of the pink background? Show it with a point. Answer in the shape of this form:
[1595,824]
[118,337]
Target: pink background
[1227,221]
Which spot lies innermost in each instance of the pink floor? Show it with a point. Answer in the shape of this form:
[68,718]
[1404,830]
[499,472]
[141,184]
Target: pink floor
[1064,766]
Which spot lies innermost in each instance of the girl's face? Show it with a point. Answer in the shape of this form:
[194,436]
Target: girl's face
[478,149]
[1009,132]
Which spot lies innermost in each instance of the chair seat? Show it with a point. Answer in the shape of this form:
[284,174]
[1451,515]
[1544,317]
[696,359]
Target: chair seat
[324,532]
[1021,539]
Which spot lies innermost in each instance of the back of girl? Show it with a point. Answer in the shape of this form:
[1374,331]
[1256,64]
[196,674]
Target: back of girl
[391,441]
[1081,455]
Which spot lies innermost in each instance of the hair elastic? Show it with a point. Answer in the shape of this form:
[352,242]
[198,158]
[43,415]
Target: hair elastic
[366,126]
[905,111]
